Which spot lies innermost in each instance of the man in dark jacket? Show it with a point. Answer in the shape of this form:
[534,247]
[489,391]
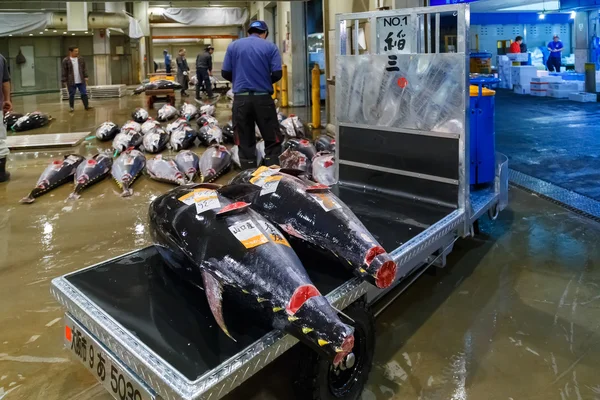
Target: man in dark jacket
[204,66]
[183,71]
[6,103]
[75,76]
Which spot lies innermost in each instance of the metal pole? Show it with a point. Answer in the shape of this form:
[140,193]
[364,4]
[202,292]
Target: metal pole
[316,97]
[437,32]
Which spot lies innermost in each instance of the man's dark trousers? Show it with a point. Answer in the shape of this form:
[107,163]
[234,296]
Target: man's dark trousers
[248,110]
[553,64]
[204,78]
[82,90]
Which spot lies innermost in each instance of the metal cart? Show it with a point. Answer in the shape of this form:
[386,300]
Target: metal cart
[403,135]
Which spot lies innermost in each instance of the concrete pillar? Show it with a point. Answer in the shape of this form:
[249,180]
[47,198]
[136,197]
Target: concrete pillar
[299,84]
[101,43]
[146,63]
[77,16]
[580,27]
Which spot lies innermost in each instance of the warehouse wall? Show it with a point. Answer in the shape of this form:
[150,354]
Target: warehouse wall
[192,49]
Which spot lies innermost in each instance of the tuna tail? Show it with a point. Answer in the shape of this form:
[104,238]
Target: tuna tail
[28,200]
[74,196]
[214,295]
[127,191]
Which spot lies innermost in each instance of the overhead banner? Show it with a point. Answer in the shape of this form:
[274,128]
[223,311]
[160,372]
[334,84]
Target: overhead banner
[448,2]
[15,23]
[207,16]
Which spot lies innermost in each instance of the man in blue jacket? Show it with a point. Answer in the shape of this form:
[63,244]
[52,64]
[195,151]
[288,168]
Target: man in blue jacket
[554,60]
[253,65]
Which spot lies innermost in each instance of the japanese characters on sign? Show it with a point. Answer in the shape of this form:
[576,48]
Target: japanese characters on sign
[394,35]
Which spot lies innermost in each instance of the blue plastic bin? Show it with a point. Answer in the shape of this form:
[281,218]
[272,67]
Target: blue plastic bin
[483,136]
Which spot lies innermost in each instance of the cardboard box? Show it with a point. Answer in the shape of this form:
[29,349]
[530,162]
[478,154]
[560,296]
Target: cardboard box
[584,97]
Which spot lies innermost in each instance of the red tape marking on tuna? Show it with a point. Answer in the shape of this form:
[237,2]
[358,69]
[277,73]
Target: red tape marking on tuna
[386,275]
[239,206]
[300,296]
[347,347]
[402,82]
[318,189]
[372,253]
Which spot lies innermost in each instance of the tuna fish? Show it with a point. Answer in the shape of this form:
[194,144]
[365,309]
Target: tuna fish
[188,162]
[167,113]
[234,253]
[107,131]
[177,124]
[57,173]
[315,216]
[157,85]
[206,120]
[210,134]
[323,169]
[127,139]
[127,168]
[182,138]
[131,125]
[303,146]
[228,134]
[280,116]
[293,127]
[90,172]
[193,80]
[140,115]
[230,94]
[30,121]
[188,111]
[149,126]
[208,109]
[156,141]
[325,143]
[10,118]
[163,170]
[260,152]
[215,161]
[292,159]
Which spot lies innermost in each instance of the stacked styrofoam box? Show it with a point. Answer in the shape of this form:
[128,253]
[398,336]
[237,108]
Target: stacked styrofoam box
[518,57]
[558,94]
[505,72]
[584,97]
[518,89]
[522,76]
[539,88]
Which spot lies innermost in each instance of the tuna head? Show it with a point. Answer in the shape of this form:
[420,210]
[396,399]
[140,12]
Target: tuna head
[126,169]
[215,161]
[227,248]
[188,163]
[90,172]
[312,214]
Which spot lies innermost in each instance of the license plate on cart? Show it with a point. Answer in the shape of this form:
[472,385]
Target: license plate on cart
[115,378]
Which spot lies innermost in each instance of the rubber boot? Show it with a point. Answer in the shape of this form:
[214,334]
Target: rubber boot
[71,103]
[86,102]
[4,176]
[247,164]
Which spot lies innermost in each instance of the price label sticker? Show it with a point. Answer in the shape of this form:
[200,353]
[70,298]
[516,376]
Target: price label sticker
[188,157]
[326,201]
[71,160]
[207,201]
[274,234]
[270,184]
[248,234]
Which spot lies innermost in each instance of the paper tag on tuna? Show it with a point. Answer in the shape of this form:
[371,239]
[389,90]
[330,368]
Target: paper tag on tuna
[206,201]
[129,160]
[71,160]
[270,184]
[248,234]
[265,171]
[274,234]
[326,201]
[188,157]
[197,194]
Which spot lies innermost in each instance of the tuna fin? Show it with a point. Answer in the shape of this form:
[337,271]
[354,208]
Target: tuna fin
[211,186]
[240,191]
[214,295]
[234,208]
[127,192]
[293,172]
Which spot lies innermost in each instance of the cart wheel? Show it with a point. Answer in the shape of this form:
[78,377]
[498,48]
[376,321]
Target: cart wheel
[319,380]
[493,212]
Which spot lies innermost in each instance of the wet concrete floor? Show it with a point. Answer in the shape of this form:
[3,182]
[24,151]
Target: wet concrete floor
[515,315]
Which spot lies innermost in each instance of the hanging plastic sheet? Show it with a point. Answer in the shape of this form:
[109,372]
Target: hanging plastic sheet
[207,16]
[15,23]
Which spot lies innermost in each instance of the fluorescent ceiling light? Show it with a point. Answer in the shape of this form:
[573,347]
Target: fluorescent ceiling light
[542,16]
[573,14]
